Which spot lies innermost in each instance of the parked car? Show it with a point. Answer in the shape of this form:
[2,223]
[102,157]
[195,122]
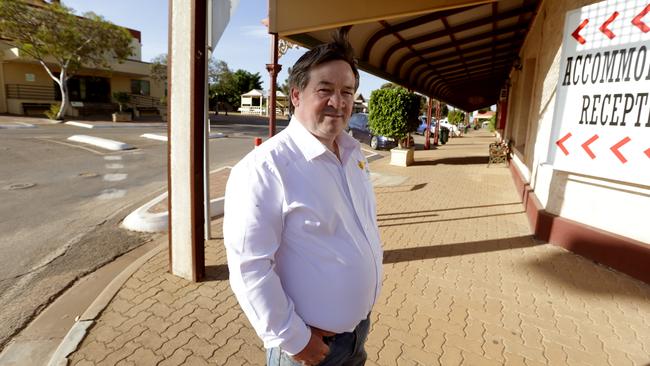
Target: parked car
[358,128]
[453,129]
[444,131]
[423,126]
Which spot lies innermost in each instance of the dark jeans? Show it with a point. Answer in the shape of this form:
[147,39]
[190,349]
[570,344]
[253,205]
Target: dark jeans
[346,349]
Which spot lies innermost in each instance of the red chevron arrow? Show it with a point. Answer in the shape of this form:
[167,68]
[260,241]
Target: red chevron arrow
[637,20]
[586,146]
[617,146]
[560,143]
[576,33]
[603,28]
[647,152]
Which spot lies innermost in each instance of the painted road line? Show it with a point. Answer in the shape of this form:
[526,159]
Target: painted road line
[114,166]
[115,125]
[154,136]
[111,193]
[112,157]
[217,135]
[370,155]
[116,177]
[13,126]
[101,142]
[79,124]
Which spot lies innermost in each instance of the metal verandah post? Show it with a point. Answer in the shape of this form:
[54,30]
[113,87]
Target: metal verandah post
[436,135]
[427,133]
[273,69]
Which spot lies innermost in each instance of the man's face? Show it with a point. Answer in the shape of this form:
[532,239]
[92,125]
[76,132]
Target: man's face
[325,105]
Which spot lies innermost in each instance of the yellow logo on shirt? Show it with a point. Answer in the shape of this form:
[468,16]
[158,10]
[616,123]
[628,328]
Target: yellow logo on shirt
[362,165]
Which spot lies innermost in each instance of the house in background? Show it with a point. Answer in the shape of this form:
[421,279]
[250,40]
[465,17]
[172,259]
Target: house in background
[255,103]
[27,89]
[360,104]
[481,119]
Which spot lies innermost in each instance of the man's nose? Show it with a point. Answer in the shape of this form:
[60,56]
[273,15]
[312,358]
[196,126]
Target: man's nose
[336,100]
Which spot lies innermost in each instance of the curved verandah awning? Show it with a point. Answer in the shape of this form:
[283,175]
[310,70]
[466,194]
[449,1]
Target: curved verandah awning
[460,52]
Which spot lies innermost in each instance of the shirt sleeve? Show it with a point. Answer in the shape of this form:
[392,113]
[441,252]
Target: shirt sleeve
[252,229]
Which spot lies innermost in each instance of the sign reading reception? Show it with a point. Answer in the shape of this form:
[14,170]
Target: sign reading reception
[602,113]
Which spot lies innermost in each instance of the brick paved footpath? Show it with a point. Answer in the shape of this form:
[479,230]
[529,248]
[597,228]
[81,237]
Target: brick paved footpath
[465,284]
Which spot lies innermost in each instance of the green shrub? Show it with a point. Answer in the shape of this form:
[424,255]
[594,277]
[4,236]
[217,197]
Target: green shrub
[122,98]
[53,111]
[393,113]
[456,117]
[493,123]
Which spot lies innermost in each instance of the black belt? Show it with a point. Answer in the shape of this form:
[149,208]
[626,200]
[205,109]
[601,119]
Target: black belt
[329,339]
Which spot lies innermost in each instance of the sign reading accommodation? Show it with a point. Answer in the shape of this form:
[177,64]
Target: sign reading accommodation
[602,114]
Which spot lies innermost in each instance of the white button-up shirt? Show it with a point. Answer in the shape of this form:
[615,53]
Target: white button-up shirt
[300,230]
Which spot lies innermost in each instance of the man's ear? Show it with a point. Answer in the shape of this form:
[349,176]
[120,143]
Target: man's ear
[295,97]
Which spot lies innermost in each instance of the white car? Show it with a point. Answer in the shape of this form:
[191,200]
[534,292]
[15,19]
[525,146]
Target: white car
[453,129]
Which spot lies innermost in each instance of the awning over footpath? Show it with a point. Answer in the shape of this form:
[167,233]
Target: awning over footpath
[460,52]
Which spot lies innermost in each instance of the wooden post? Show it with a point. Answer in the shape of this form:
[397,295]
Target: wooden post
[186,128]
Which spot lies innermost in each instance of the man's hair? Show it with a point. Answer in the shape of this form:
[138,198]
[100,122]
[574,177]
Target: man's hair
[338,49]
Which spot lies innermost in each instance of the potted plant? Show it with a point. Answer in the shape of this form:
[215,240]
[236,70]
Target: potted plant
[162,108]
[394,113]
[122,98]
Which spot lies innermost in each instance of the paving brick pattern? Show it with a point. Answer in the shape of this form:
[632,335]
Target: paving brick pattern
[465,283]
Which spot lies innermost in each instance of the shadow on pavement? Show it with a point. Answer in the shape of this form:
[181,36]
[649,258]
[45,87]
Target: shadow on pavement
[469,160]
[579,275]
[217,272]
[448,209]
[441,220]
[399,188]
[452,250]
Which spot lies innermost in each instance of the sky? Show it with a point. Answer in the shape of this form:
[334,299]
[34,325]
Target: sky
[245,44]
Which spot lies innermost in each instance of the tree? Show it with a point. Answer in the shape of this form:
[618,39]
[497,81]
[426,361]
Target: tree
[217,71]
[284,87]
[246,81]
[53,32]
[220,79]
[227,86]
[444,109]
[393,113]
[456,117]
[158,73]
[493,123]
[389,86]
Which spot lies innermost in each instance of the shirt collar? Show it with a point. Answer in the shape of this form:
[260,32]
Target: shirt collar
[311,147]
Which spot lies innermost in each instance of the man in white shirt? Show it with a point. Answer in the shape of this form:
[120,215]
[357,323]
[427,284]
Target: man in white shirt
[300,225]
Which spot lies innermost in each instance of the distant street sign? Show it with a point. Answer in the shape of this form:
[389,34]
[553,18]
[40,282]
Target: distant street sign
[219,15]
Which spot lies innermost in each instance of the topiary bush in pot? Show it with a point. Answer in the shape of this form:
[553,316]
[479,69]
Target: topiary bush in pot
[393,113]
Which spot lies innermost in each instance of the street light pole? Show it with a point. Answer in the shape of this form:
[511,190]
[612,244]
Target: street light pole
[273,69]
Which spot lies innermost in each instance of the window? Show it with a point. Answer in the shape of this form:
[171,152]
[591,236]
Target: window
[87,89]
[140,87]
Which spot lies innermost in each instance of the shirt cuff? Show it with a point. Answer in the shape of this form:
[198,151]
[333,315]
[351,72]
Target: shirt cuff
[298,342]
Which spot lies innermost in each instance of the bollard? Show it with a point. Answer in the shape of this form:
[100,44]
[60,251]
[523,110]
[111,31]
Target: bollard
[258,141]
